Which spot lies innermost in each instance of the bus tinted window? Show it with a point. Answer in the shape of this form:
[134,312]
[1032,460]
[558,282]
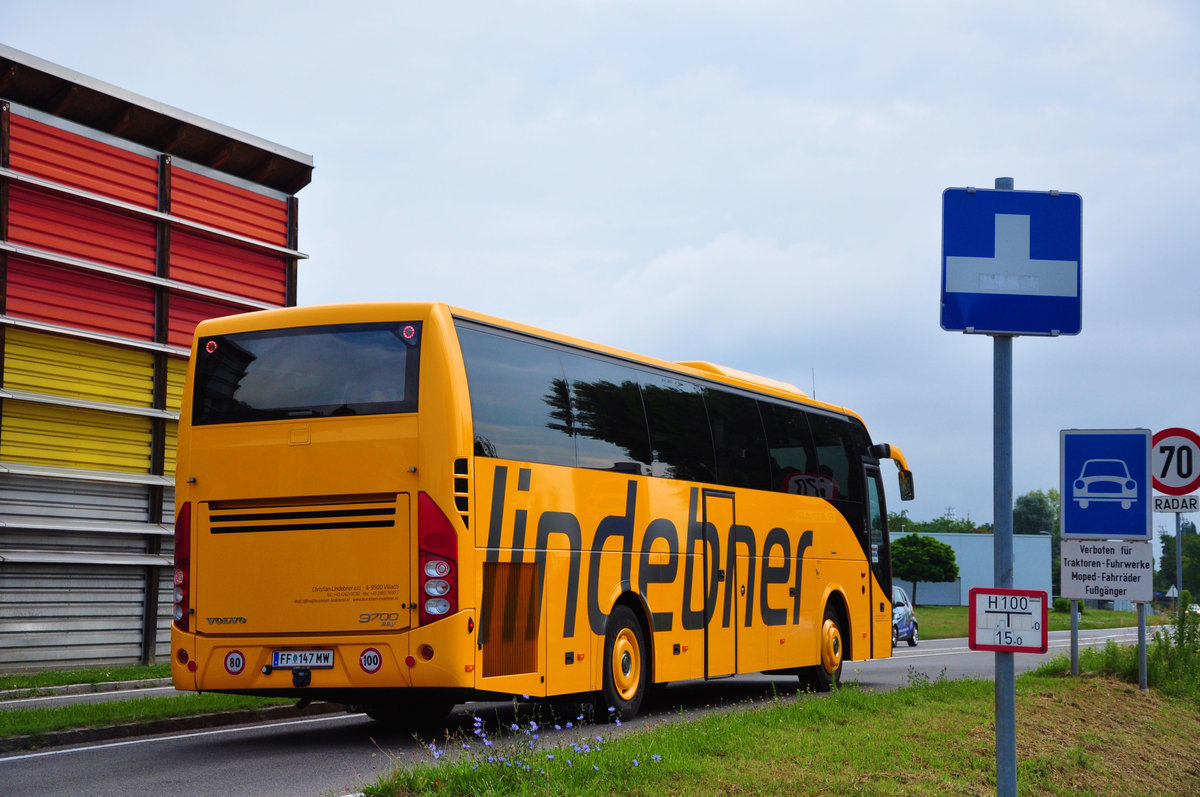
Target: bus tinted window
[841,445]
[609,423]
[307,372]
[793,457]
[737,434]
[520,401]
[679,432]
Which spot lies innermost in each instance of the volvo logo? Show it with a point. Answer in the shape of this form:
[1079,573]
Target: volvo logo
[226,620]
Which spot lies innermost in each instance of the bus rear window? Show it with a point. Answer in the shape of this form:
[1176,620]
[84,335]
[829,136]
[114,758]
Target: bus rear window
[307,372]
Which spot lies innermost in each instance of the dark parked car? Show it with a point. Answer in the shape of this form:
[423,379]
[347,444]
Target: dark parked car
[904,619]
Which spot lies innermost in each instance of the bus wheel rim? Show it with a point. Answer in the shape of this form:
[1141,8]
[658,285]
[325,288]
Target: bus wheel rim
[831,646]
[626,664]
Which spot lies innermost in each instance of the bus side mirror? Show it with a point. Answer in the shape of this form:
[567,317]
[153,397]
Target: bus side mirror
[906,485]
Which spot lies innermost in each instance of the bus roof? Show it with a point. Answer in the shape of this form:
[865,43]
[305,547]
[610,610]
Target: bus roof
[382,311]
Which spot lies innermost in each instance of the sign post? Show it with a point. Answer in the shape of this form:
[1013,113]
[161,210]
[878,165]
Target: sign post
[1010,266]
[1104,476]
[1176,458]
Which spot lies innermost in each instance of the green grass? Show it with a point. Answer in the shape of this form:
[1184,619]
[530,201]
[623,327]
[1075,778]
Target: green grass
[38,680]
[1096,735]
[945,622]
[929,738]
[29,721]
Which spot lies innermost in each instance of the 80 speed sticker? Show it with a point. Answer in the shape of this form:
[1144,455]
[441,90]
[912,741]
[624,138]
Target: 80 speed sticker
[235,662]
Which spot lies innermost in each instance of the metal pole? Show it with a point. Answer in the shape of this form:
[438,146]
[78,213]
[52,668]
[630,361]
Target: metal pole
[1179,562]
[1142,647]
[1002,480]
[1074,637]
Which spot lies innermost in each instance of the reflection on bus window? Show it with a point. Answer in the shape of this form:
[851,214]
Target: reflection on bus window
[607,416]
[737,433]
[508,380]
[678,429]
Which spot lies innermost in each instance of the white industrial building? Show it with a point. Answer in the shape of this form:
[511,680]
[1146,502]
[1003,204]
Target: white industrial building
[975,556]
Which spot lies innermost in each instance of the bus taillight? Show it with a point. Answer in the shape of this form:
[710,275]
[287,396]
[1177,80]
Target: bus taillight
[437,549]
[183,550]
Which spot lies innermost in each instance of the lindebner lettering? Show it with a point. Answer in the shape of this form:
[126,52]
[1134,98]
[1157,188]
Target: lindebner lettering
[701,538]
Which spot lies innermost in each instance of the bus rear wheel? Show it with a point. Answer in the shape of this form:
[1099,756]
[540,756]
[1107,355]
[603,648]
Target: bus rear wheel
[828,674]
[626,668]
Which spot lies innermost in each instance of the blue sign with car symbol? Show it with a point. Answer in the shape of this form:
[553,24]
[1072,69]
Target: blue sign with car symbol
[1105,483]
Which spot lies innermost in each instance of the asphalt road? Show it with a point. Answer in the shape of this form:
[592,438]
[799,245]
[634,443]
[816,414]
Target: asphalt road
[335,754]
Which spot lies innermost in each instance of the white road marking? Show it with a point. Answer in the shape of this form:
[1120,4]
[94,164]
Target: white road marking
[177,736]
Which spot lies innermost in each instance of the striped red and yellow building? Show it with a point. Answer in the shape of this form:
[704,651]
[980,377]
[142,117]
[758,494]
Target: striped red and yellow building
[123,223]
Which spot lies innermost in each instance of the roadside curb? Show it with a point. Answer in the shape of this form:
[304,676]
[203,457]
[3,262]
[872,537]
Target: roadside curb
[82,689]
[192,723]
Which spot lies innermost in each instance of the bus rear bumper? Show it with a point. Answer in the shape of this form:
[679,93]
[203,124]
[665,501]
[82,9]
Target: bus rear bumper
[438,655]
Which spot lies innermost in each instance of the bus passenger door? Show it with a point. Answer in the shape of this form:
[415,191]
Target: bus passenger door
[879,554]
[720,629]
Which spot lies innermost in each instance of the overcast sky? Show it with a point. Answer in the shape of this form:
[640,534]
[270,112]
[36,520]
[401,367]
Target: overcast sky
[753,183]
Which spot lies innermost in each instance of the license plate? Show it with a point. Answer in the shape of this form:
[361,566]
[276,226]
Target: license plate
[311,659]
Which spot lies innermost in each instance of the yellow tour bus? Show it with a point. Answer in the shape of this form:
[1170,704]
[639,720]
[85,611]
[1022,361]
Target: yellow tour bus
[404,506]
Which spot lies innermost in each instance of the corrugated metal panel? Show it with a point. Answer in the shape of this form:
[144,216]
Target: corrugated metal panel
[172,440]
[40,498]
[70,227]
[229,207]
[56,615]
[176,374]
[186,312]
[168,512]
[67,437]
[74,542]
[77,299]
[71,159]
[228,267]
[68,367]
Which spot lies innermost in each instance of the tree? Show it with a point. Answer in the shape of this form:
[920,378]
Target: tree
[1037,512]
[901,522]
[1191,562]
[919,558]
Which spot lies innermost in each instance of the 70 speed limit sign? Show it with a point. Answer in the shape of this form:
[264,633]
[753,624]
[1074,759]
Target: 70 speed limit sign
[1175,461]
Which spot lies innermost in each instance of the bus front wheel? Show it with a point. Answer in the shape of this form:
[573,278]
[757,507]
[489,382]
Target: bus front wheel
[626,668]
[828,674]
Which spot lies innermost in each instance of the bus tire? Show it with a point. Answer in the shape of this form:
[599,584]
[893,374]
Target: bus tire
[825,676]
[626,667]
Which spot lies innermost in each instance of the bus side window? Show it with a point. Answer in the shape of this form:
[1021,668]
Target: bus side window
[520,404]
[738,437]
[840,453]
[607,415]
[793,458]
[679,435]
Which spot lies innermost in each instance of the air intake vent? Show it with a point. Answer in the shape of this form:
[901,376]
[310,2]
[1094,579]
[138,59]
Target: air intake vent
[462,490]
[323,514]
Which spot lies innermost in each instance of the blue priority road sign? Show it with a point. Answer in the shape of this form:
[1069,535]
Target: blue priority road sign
[1105,481]
[1011,261]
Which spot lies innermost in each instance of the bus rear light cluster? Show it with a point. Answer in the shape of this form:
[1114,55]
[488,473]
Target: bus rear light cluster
[437,549]
[183,551]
